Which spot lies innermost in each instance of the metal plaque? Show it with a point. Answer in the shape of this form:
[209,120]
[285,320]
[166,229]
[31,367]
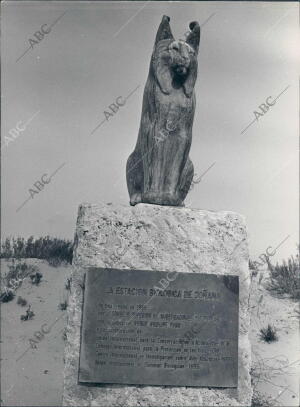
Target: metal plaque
[159,328]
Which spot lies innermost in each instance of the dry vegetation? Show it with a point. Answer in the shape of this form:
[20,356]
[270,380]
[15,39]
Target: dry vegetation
[268,334]
[285,277]
[17,272]
[55,251]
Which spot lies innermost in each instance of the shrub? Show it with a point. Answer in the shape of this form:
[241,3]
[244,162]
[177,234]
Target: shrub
[268,334]
[63,305]
[36,278]
[17,272]
[6,248]
[21,301]
[29,314]
[285,278]
[7,296]
[55,251]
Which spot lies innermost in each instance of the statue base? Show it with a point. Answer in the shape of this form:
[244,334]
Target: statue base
[164,238]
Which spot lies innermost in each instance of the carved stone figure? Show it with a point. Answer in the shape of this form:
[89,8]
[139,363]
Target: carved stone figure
[159,171]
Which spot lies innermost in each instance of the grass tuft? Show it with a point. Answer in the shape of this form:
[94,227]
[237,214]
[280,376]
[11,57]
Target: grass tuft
[268,334]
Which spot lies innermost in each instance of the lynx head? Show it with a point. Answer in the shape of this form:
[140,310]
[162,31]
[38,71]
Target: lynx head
[175,62]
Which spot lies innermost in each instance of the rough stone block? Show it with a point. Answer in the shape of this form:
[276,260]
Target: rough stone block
[165,238]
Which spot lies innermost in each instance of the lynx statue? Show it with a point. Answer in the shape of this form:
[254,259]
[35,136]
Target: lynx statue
[159,171]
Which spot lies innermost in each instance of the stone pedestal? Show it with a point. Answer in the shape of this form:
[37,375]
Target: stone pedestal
[161,238]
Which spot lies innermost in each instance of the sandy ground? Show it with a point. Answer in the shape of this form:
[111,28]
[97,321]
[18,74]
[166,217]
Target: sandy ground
[276,365]
[35,378]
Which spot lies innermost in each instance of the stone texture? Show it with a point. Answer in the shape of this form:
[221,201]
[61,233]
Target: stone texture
[157,238]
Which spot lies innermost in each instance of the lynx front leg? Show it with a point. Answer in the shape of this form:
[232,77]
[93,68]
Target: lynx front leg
[135,177]
[186,179]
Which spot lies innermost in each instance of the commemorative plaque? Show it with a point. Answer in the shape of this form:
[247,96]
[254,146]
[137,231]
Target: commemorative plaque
[159,328]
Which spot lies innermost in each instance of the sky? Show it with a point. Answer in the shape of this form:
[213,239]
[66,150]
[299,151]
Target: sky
[57,85]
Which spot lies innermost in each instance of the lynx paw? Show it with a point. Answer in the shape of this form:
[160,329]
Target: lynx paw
[135,199]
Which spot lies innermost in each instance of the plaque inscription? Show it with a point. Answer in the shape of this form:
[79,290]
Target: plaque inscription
[136,330]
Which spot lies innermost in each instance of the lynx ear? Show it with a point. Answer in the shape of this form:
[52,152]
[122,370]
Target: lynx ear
[193,39]
[162,73]
[189,84]
[164,30]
